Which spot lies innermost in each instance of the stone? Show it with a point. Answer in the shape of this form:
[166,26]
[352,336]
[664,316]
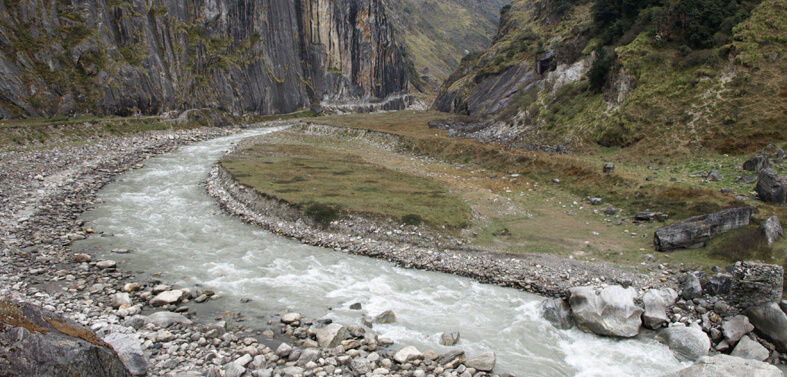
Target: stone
[726,365]
[387,316]
[656,302]
[407,354]
[688,343]
[119,299]
[736,327]
[690,286]
[772,229]
[233,370]
[610,313]
[757,163]
[80,258]
[558,313]
[360,366]
[771,188]
[309,355]
[747,179]
[608,167]
[50,352]
[331,336]
[484,362]
[355,306]
[719,285]
[755,283]
[452,359]
[283,350]
[449,338]
[291,318]
[130,352]
[769,322]
[106,264]
[167,298]
[749,349]
[292,371]
[596,201]
[610,211]
[697,230]
[166,319]
[714,175]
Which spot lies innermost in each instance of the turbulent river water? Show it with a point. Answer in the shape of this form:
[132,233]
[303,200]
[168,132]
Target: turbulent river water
[164,215]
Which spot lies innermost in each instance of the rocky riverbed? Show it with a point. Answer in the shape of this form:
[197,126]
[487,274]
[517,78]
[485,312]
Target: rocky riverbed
[43,191]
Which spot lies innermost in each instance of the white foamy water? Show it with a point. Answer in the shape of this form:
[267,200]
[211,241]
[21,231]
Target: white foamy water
[163,213]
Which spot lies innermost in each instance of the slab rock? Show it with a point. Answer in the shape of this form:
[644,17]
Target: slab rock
[755,283]
[769,322]
[44,344]
[695,231]
[688,343]
[726,365]
[771,188]
[772,229]
[610,313]
[656,302]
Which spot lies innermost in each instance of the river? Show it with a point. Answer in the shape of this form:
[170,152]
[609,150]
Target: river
[174,228]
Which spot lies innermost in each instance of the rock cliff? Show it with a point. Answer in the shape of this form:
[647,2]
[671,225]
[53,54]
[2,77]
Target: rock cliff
[152,56]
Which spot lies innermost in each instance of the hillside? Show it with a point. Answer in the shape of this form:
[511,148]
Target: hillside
[661,78]
[119,57]
[434,35]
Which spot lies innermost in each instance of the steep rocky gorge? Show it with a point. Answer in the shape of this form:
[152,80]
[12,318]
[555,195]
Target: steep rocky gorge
[117,57]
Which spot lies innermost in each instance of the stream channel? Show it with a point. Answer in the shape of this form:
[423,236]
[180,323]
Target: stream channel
[163,213]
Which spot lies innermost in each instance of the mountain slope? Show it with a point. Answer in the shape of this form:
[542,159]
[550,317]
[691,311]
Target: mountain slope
[659,77]
[257,56]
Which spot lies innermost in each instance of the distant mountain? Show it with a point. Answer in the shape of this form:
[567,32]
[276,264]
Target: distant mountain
[654,75]
[435,34]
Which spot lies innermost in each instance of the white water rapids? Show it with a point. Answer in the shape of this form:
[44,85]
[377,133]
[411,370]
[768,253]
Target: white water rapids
[163,213]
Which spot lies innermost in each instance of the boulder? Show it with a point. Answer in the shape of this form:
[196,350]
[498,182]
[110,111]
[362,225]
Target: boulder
[656,302]
[233,370]
[130,352]
[608,167]
[719,284]
[769,322]
[772,229]
[695,231]
[557,312]
[37,342]
[167,298]
[484,362]
[757,163]
[331,336]
[452,359]
[106,264]
[283,350]
[387,316]
[166,319]
[406,354]
[688,343]
[291,317]
[726,365]
[749,349]
[119,299]
[690,286]
[449,338]
[611,313]
[755,283]
[361,366]
[714,175]
[771,188]
[309,355]
[736,327]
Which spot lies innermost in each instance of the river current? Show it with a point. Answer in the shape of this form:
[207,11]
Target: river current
[163,213]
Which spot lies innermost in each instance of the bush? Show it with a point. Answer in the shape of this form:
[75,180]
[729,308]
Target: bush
[323,213]
[412,219]
[744,244]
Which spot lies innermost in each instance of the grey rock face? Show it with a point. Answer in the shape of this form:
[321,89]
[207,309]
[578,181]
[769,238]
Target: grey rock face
[697,230]
[688,343]
[772,229]
[656,302]
[130,352]
[757,163]
[736,327]
[240,57]
[611,313]
[51,352]
[769,322]
[725,365]
[771,188]
[558,313]
[756,283]
[749,349]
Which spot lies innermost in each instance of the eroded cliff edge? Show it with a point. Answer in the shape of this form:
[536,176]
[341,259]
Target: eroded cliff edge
[117,57]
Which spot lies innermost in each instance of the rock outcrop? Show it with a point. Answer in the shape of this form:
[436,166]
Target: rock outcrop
[688,343]
[726,365]
[771,187]
[695,231]
[241,57]
[612,312]
[35,342]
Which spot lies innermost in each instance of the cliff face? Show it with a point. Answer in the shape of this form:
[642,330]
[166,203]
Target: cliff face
[151,56]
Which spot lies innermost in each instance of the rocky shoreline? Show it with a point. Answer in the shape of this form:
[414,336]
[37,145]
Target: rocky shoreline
[43,192]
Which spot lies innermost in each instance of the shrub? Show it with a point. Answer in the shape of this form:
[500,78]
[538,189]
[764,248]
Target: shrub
[744,244]
[323,213]
[412,219]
